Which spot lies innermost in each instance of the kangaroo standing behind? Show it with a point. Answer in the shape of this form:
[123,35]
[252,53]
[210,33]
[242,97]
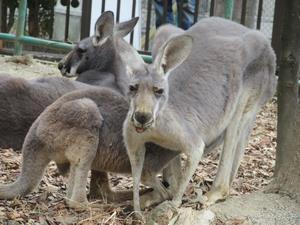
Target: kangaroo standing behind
[83,129]
[24,100]
[185,104]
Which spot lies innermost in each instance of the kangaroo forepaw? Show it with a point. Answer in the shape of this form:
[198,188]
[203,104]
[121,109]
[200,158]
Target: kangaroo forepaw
[215,195]
[79,205]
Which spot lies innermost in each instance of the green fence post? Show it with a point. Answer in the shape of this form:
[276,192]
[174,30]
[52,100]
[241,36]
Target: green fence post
[228,9]
[20,26]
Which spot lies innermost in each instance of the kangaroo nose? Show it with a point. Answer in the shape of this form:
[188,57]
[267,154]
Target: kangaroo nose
[142,118]
[60,65]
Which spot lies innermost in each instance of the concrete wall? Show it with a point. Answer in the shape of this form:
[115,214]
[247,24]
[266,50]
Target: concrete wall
[59,22]
[125,14]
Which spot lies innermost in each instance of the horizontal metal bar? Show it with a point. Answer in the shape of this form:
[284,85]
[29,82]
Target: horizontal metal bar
[147,58]
[45,43]
[7,37]
[36,41]
[50,44]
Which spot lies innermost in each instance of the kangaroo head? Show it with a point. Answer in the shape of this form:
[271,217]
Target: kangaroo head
[148,87]
[98,51]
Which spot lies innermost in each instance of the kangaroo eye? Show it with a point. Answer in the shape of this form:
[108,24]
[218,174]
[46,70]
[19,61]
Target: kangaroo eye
[159,91]
[133,88]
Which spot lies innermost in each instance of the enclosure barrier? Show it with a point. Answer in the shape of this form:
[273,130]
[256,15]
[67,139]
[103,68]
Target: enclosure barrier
[45,43]
[20,38]
[228,9]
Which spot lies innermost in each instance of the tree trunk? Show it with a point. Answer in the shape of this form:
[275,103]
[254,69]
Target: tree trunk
[11,18]
[51,19]
[1,9]
[3,16]
[33,18]
[287,169]
[251,11]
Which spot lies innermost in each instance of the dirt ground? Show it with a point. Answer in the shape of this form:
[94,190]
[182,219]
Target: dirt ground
[46,205]
[32,68]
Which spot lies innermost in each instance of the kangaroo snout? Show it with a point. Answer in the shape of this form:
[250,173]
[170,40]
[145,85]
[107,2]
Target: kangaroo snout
[142,118]
[65,70]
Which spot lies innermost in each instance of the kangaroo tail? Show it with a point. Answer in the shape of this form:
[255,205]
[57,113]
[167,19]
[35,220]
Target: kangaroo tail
[33,166]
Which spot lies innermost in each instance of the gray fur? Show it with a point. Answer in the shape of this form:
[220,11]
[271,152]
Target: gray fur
[83,129]
[215,92]
[23,100]
[162,35]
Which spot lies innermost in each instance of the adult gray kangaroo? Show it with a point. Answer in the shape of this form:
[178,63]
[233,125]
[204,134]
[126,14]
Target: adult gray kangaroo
[84,129]
[201,85]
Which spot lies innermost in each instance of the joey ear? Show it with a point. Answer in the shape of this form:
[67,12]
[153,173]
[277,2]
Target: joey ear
[104,27]
[129,56]
[173,53]
[124,28]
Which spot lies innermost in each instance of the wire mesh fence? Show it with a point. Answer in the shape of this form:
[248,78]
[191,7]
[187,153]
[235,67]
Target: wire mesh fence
[267,17]
[256,14]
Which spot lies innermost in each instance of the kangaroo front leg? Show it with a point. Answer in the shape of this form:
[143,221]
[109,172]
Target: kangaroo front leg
[193,158]
[79,193]
[136,156]
[71,179]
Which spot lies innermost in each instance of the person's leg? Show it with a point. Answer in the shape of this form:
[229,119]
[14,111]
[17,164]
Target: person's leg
[159,12]
[188,10]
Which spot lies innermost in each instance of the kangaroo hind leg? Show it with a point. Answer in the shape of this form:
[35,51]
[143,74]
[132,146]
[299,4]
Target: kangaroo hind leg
[79,135]
[235,140]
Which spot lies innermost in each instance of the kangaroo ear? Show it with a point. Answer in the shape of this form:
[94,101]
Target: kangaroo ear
[173,53]
[124,28]
[129,56]
[104,27]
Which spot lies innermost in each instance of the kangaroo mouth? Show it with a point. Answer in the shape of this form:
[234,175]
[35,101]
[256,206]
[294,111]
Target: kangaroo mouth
[140,128]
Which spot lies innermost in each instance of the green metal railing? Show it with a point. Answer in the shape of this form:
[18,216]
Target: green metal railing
[228,9]
[21,39]
[20,26]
